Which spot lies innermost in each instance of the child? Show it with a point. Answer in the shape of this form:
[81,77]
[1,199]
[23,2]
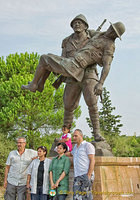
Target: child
[66,137]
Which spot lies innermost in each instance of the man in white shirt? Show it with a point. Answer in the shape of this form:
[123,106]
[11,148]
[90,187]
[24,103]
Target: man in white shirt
[16,171]
[84,160]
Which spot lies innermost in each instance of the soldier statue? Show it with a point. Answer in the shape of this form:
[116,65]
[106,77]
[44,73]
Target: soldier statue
[81,52]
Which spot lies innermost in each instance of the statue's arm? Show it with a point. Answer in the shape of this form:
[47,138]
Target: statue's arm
[107,60]
[106,68]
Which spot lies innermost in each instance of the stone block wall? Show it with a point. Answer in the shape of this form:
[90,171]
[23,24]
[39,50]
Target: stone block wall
[116,178]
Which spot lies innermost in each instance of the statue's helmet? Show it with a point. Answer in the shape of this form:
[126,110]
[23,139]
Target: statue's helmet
[119,28]
[82,18]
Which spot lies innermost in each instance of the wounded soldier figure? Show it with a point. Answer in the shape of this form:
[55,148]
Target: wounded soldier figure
[99,50]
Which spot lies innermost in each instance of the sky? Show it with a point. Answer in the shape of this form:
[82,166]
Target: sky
[41,25]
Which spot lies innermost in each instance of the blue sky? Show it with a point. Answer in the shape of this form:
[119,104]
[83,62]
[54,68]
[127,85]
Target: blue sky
[40,26]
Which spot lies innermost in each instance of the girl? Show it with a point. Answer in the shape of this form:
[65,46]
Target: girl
[66,137]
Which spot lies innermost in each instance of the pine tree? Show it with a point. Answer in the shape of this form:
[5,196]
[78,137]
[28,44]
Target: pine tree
[109,123]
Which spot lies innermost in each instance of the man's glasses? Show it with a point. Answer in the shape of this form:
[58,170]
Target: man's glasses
[20,142]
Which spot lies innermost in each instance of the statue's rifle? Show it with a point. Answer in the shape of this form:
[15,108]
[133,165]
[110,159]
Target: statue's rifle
[61,78]
[99,27]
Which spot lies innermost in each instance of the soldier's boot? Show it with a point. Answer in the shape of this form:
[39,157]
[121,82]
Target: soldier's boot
[40,72]
[31,86]
[42,81]
[94,117]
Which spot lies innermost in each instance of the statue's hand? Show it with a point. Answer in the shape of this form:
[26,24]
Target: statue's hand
[98,89]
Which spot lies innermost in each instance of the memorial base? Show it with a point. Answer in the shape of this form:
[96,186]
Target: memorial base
[116,178]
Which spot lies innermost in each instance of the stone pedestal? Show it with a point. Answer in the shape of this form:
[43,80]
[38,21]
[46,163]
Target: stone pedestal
[102,148]
[117,178]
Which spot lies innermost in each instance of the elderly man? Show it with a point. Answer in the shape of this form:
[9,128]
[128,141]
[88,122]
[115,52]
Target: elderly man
[16,171]
[84,160]
[98,50]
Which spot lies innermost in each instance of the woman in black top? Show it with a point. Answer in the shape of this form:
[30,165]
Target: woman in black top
[38,175]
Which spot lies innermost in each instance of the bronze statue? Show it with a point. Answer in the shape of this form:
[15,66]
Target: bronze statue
[81,52]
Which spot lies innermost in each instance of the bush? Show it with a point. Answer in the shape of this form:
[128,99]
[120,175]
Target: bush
[6,146]
[126,146]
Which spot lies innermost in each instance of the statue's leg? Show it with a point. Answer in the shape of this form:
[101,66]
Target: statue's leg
[94,117]
[72,94]
[42,81]
[91,101]
[40,72]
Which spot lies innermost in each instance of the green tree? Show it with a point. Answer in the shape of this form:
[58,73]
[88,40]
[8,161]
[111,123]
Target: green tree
[22,112]
[109,123]
[127,146]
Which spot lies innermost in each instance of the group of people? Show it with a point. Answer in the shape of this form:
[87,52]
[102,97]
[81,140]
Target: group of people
[29,171]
